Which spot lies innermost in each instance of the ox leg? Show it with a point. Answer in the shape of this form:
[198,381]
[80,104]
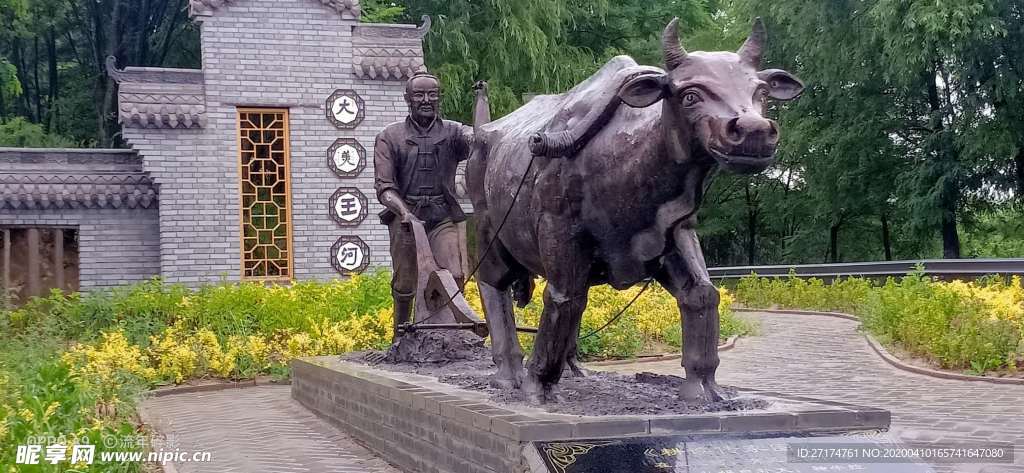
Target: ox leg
[505,349]
[685,275]
[572,362]
[495,276]
[567,264]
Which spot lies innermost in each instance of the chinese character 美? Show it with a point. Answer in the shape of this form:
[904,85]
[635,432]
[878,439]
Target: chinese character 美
[28,454]
[346,157]
[83,453]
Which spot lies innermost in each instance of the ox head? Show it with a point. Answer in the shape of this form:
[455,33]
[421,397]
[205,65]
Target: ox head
[714,103]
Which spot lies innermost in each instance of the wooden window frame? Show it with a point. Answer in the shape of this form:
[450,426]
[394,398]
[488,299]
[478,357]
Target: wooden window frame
[287,194]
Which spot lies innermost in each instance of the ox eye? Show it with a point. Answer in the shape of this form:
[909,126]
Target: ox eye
[690,99]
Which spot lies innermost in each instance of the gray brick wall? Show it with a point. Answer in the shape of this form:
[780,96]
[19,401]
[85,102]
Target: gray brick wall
[116,247]
[265,53]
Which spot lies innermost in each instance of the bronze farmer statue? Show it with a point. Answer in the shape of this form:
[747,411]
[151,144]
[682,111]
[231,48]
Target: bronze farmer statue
[614,175]
[415,162]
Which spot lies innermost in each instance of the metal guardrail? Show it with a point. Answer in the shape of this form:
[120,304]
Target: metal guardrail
[944,268]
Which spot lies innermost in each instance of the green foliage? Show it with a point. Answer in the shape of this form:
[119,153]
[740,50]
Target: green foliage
[842,295]
[535,46]
[20,133]
[995,234]
[10,86]
[380,11]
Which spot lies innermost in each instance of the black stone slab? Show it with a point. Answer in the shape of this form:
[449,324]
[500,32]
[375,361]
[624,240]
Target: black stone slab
[704,454]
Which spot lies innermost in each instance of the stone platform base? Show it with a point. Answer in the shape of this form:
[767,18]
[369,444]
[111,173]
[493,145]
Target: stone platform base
[422,425]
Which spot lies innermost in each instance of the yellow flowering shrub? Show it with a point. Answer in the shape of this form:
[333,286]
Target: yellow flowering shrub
[246,330]
[252,354]
[108,361]
[210,355]
[173,357]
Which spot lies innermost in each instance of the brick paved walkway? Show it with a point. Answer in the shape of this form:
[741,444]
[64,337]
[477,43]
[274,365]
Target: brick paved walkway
[825,357]
[255,430]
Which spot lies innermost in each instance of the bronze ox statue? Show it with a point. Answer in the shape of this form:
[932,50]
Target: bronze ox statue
[608,194]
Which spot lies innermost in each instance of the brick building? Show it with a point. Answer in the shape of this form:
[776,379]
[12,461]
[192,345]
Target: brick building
[256,167]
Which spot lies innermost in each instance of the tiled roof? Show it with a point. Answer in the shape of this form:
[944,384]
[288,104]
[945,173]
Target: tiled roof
[388,52]
[348,9]
[150,97]
[41,179]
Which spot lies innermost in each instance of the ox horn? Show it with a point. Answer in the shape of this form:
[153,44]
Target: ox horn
[753,47]
[674,52]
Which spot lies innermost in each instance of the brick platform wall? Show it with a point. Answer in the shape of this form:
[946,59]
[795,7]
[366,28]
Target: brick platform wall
[425,432]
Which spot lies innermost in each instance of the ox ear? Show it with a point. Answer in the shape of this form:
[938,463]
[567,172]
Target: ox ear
[781,84]
[643,91]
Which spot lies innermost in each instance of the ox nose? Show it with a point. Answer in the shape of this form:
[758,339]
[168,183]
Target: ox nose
[753,134]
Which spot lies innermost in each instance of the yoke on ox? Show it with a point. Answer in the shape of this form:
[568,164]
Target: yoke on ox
[597,193]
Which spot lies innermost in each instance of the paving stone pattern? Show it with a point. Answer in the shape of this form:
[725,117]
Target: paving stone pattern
[826,358]
[255,430]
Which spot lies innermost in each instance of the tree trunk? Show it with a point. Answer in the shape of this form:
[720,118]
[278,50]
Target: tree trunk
[51,46]
[886,242]
[100,82]
[833,244]
[1018,162]
[751,227]
[950,238]
[950,194]
[35,78]
[18,55]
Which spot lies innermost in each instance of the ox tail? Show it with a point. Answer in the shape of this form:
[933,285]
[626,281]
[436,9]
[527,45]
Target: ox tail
[481,106]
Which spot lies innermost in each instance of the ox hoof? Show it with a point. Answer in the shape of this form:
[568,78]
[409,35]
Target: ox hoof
[537,393]
[574,369]
[506,380]
[697,391]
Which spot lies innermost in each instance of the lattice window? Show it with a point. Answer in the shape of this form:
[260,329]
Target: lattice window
[266,194]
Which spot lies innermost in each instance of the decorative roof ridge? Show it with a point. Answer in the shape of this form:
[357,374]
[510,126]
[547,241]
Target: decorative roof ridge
[4,150]
[208,7]
[158,75]
[391,31]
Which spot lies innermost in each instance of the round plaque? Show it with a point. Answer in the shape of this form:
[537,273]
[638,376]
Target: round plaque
[350,255]
[348,206]
[346,157]
[345,109]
